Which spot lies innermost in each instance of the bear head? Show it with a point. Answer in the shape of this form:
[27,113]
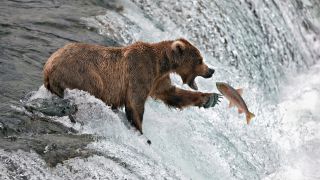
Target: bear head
[188,62]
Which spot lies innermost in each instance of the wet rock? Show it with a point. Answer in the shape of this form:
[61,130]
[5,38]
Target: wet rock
[50,139]
[54,148]
[54,106]
[20,129]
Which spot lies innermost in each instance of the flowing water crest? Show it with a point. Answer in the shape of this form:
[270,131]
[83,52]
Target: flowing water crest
[270,48]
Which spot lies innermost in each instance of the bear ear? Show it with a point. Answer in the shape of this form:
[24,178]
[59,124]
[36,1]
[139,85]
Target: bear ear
[178,47]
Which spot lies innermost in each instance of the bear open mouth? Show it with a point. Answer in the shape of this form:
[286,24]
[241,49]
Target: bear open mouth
[193,84]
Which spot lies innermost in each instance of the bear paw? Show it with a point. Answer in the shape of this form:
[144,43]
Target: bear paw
[213,100]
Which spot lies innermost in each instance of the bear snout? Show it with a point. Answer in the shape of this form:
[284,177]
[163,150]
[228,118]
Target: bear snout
[209,73]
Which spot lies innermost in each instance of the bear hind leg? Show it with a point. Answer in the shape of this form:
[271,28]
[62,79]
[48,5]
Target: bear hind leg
[56,88]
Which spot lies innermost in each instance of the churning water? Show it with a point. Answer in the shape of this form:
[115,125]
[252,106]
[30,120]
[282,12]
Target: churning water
[269,48]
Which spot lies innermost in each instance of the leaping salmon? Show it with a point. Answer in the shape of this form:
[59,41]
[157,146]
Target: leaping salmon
[234,96]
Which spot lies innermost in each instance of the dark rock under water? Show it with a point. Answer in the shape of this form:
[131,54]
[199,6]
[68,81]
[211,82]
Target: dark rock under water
[54,106]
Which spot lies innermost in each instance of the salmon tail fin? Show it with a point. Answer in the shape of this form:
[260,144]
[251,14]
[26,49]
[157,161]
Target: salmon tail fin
[249,117]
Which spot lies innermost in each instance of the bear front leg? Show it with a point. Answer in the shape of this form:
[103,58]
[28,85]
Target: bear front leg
[134,112]
[129,114]
[181,98]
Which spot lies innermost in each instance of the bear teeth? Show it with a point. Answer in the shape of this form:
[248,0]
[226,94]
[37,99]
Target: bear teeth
[193,85]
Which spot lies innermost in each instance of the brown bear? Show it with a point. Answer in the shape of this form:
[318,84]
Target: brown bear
[126,76]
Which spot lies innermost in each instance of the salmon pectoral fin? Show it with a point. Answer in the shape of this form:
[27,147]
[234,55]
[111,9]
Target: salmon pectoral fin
[249,117]
[231,104]
[240,91]
[240,111]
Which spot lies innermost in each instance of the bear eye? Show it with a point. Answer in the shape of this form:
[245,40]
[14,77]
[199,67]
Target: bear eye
[199,61]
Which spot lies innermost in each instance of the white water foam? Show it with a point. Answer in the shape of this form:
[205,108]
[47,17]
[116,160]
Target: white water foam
[298,134]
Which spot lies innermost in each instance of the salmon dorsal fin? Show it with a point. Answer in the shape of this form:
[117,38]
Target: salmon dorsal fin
[231,104]
[240,91]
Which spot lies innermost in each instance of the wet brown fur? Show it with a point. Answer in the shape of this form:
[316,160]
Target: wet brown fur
[126,76]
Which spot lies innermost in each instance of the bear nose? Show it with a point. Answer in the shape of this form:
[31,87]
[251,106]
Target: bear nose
[209,73]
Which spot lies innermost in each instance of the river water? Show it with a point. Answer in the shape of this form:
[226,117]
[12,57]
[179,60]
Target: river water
[270,48]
